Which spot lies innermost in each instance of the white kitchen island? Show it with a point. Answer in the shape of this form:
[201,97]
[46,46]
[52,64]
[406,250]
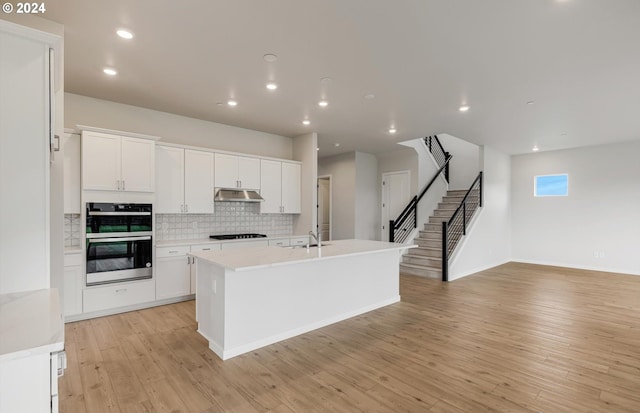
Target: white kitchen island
[252,297]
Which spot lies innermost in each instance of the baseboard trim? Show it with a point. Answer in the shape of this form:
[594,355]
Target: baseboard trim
[577,267]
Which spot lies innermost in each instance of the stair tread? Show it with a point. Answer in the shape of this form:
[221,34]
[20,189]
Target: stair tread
[419,266]
[422,257]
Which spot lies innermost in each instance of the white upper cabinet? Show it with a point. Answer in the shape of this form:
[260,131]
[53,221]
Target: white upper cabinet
[185,181]
[198,182]
[170,180]
[117,163]
[280,187]
[291,188]
[71,152]
[233,171]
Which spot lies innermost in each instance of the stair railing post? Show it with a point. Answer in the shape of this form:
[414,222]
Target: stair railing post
[445,253]
[481,177]
[464,218]
[391,225]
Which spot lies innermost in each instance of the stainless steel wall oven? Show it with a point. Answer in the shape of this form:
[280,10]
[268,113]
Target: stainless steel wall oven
[118,242]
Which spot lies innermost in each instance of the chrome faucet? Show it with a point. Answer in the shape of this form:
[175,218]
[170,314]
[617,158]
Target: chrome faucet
[317,237]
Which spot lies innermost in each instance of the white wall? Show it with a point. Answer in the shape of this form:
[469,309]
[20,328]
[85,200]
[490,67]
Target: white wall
[367,206]
[489,241]
[82,110]
[304,150]
[465,164]
[342,169]
[601,213]
[403,159]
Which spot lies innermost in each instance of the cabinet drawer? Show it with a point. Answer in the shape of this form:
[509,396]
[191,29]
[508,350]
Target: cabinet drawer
[299,240]
[72,259]
[279,242]
[163,252]
[205,247]
[118,295]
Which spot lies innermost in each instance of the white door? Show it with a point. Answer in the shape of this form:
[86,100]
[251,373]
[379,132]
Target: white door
[169,180]
[226,171]
[249,172]
[100,161]
[324,208]
[198,182]
[138,164]
[291,188]
[395,197]
[271,186]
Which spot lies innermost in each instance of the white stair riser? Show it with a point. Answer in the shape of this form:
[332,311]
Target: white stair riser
[424,252]
[426,261]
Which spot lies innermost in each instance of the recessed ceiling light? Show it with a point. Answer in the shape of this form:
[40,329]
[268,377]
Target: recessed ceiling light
[535,148]
[392,130]
[232,103]
[270,58]
[323,103]
[306,122]
[109,71]
[125,34]
[369,96]
[531,102]
[272,86]
[336,144]
[464,108]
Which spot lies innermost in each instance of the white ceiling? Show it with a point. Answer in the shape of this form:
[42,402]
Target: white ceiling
[578,60]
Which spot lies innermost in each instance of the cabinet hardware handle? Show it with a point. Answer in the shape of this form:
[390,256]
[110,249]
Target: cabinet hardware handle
[121,290]
[123,185]
[186,207]
[118,182]
[206,249]
[181,208]
[173,252]
[188,260]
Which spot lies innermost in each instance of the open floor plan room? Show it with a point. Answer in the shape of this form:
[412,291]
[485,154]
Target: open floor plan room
[515,338]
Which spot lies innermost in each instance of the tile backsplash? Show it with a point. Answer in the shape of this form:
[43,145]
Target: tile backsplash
[228,218]
[72,227]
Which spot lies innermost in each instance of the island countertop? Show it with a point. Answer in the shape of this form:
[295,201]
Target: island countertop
[262,257]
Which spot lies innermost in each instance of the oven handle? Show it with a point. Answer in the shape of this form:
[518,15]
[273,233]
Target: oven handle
[118,234]
[95,240]
[130,214]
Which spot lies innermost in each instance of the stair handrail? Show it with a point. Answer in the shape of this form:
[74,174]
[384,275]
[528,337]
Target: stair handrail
[411,210]
[448,225]
[438,152]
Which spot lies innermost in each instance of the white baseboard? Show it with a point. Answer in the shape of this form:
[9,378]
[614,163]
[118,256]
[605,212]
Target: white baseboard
[577,267]
[244,348]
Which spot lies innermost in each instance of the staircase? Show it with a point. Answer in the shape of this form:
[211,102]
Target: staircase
[426,260]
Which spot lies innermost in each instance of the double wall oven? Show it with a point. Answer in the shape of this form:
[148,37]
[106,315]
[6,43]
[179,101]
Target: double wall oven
[119,244]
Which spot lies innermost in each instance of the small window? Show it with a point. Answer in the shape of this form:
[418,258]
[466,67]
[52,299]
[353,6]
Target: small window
[551,185]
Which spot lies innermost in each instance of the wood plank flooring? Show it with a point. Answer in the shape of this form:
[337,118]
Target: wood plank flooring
[515,338]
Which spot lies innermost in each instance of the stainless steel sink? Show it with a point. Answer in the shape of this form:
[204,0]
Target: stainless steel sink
[304,246]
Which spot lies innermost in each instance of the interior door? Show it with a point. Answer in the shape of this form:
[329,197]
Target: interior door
[395,197]
[324,208]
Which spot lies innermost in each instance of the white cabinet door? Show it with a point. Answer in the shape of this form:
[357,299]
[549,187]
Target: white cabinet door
[173,277]
[271,186]
[198,182]
[290,188]
[169,180]
[138,164]
[249,172]
[226,171]
[73,282]
[71,152]
[100,161]
[195,248]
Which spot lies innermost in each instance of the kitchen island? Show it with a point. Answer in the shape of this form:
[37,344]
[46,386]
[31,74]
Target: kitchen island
[252,297]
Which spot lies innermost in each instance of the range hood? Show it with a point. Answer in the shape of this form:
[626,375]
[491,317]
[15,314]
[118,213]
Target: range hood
[237,195]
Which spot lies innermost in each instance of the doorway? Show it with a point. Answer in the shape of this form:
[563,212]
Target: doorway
[324,207]
[396,194]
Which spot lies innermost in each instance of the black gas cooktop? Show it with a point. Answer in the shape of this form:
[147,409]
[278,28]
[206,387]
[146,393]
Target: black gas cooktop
[237,236]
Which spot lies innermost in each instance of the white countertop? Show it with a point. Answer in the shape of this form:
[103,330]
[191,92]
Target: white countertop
[260,257]
[30,323]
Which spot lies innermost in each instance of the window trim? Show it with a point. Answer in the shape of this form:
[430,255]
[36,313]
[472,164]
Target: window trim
[535,186]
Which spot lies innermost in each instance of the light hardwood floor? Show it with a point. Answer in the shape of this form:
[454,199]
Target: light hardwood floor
[516,338]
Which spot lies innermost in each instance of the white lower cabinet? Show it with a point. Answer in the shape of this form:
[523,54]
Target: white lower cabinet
[192,271]
[173,272]
[73,283]
[117,295]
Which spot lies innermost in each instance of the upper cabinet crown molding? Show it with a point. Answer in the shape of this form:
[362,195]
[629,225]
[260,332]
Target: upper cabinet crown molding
[84,128]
